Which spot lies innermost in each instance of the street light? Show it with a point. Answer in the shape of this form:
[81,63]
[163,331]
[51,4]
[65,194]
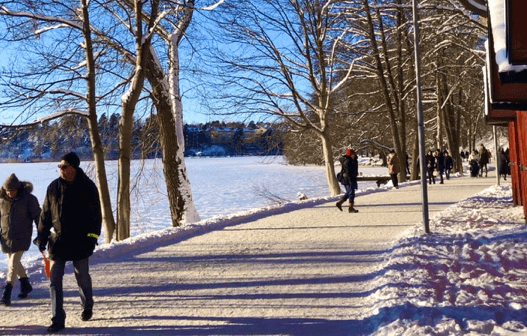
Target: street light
[420,119]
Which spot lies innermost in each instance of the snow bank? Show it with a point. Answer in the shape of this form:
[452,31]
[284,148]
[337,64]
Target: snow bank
[469,276]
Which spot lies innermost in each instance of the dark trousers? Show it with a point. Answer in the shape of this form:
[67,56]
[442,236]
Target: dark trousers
[483,165]
[431,177]
[82,275]
[395,180]
[350,193]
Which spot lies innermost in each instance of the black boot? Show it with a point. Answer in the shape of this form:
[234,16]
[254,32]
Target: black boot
[25,288]
[6,297]
[339,204]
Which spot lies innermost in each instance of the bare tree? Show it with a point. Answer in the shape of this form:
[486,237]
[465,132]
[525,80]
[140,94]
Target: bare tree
[478,7]
[167,99]
[449,37]
[129,102]
[59,75]
[281,58]
[455,55]
[126,18]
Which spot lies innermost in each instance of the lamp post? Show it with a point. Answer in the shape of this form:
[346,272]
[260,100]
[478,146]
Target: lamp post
[420,119]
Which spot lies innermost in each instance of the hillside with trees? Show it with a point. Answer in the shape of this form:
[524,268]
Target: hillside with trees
[49,141]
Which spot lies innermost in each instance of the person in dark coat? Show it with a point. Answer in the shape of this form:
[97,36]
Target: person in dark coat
[430,166]
[350,170]
[19,208]
[449,164]
[70,224]
[440,163]
[503,163]
[484,158]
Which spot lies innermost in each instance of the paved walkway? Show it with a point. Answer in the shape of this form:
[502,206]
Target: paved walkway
[305,272]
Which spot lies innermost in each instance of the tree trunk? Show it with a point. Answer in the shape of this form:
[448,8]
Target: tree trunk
[169,143]
[123,185]
[171,164]
[449,120]
[97,147]
[415,159]
[329,164]
[396,91]
[186,204]
[458,163]
[439,111]
[129,102]
[384,87]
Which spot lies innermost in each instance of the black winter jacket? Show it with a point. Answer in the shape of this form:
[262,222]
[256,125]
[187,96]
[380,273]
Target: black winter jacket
[17,216]
[350,170]
[71,218]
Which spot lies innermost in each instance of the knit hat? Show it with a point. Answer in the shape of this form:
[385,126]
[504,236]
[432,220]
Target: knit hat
[72,159]
[11,183]
[350,152]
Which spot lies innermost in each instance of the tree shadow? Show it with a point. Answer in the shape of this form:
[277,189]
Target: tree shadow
[234,326]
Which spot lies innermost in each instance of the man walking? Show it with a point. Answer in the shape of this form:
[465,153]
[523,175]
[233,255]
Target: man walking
[70,224]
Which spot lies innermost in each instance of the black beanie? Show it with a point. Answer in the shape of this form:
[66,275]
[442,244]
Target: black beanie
[11,183]
[72,159]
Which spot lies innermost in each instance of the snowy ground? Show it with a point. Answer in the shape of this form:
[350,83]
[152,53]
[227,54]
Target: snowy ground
[468,277]
[221,186]
[304,268]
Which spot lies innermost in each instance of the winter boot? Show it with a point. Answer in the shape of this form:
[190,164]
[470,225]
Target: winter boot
[25,288]
[339,204]
[351,209]
[6,297]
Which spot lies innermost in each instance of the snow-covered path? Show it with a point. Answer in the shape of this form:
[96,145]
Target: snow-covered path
[305,272]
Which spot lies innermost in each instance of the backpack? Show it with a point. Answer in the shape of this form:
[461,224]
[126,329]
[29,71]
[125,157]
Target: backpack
[342,177]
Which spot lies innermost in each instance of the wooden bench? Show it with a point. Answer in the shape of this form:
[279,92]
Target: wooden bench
[379,179]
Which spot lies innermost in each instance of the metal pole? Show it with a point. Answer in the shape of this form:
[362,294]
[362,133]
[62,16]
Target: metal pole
[420,119]
[496,153]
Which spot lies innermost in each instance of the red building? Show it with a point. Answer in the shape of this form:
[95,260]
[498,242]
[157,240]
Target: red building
[506,84]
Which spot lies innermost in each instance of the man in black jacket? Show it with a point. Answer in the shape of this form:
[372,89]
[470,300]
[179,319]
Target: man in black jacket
[70,224]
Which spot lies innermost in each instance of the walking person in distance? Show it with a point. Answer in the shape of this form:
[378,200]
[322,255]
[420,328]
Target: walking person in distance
[393,168]
[473,161]
[70,224]
[503,163]
[349,172]
[484,159]
[19,208]
[430,166]
[440,163]
[449,165]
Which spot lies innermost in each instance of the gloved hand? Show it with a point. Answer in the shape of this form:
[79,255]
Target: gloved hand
[92,242]
[41,243]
